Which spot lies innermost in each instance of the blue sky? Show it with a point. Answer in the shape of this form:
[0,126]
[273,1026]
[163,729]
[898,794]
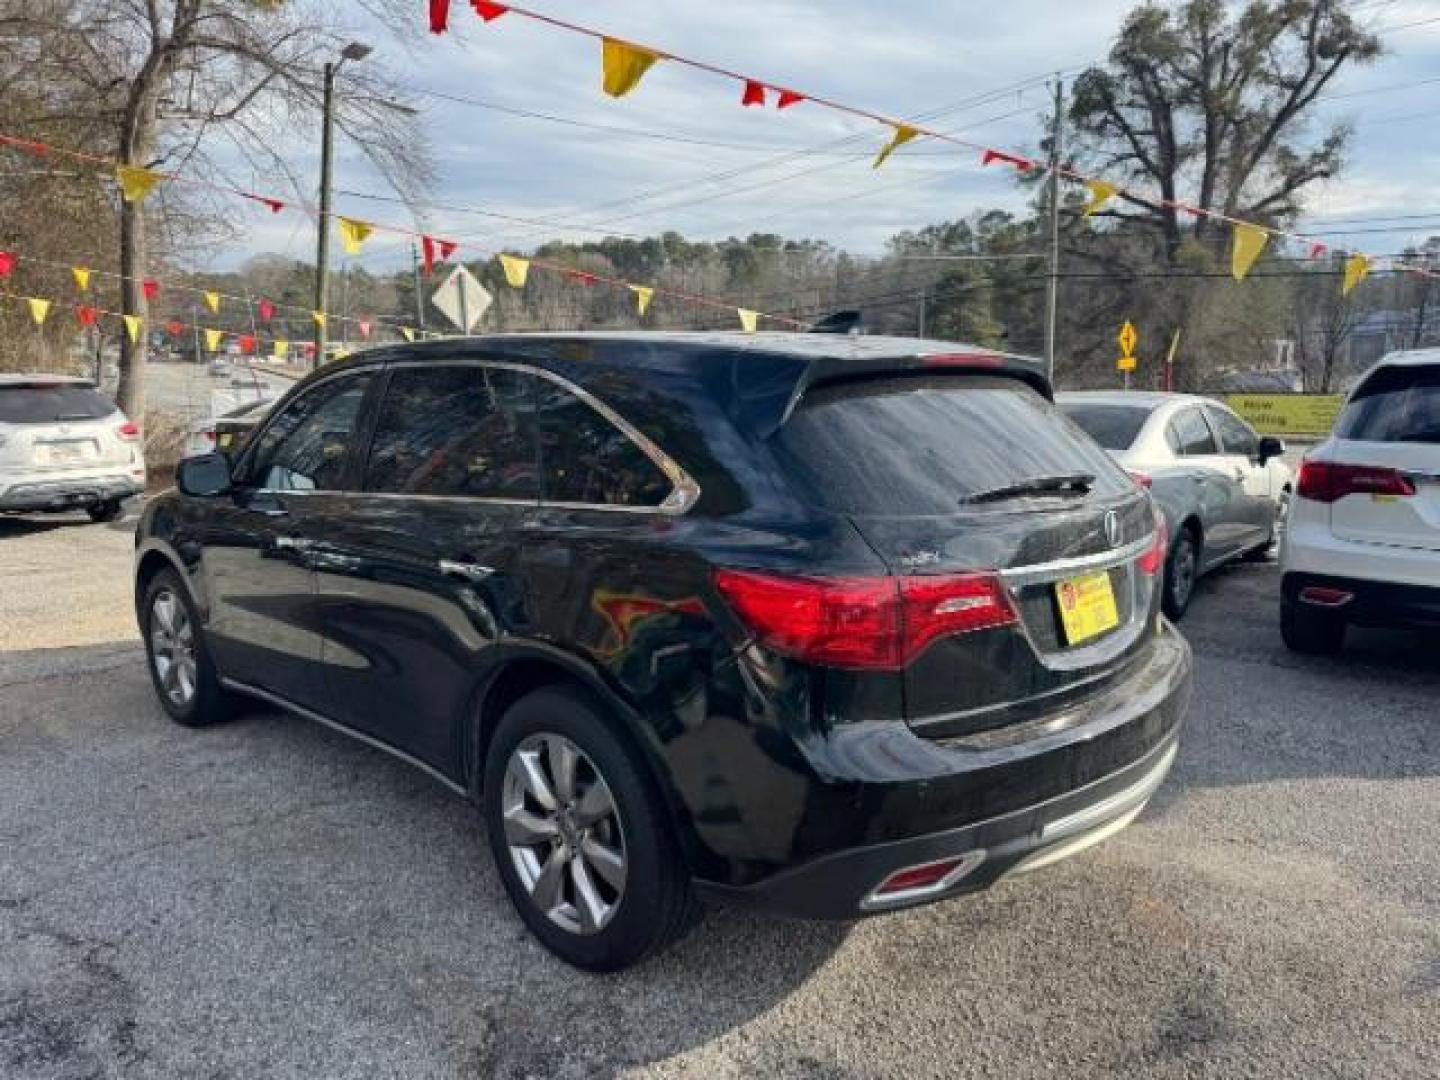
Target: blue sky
[984,63]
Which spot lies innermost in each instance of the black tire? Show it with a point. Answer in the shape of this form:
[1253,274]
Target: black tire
[1182,571]
[1311,633]
[209,703]
[656,904]
[111,510]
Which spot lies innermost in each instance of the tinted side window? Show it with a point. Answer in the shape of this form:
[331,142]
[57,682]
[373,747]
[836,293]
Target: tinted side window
[305,448]
[1191,434]
[1235,434]
[587,459]
[463,432]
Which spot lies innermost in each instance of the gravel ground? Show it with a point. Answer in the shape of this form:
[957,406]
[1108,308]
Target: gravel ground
[269,899]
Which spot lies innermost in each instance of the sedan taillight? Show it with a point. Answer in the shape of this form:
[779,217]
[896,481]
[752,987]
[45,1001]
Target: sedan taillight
[128,431]
[1329,481]
[864,623]
[1153,561]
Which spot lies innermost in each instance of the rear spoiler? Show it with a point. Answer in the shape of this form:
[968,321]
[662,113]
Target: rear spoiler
[768,404]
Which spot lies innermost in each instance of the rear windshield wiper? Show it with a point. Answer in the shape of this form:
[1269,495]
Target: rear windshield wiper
[1061,484]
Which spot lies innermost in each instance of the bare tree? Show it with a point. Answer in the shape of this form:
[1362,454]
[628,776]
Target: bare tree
[183,83]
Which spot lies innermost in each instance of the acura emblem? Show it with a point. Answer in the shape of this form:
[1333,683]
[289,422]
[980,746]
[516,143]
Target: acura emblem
[1112,528]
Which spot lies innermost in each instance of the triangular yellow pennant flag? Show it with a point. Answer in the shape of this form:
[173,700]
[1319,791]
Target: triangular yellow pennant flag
[623,66]
[643,295]
[748,319]
[136,182]
[132,327]
[1101,192]
[1250,241]
[282,348]
[319,317]
[1356,268]
[82,277]
[354,233]
[212,340]
[212,301]
[517,270]
[38,309]
[903,134]
[408,334]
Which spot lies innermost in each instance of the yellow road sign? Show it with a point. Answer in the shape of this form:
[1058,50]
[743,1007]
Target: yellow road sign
[1128,339]
[1125,363]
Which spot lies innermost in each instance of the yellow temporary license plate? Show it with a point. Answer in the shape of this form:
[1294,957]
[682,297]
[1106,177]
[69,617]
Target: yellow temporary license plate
[1087,607]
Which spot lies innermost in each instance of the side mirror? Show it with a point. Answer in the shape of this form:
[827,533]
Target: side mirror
[203,476]
[1270,447]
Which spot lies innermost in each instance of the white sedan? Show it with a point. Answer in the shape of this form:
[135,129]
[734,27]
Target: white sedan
[1223,488]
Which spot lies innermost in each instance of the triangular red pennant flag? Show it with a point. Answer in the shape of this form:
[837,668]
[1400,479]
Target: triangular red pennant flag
[788,98]
[432,247]
[1023,164]
[247,343]
[150,288]
[174,326]
[488,11]
[86,315]
[364,325]
[275,205]
[1317,249]
[439,16]
[588,280]
[754,93]
[309,348]
[7,263]
[267,311]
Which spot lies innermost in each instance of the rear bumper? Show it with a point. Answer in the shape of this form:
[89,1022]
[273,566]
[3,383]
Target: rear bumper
[1370,603]
[69,493]
[1093,777]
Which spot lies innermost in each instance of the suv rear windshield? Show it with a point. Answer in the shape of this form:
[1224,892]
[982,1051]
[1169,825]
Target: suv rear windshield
[917,446]
[1114,427]
[1396,404]
[47,403]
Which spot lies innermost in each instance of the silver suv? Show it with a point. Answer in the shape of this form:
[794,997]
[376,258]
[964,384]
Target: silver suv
[65,446]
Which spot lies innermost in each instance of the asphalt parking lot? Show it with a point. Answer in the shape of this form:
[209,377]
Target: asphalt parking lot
[270,899]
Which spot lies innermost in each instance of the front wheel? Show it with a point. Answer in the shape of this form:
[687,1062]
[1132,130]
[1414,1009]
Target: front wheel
[181,669]
[582,840]
[110,510]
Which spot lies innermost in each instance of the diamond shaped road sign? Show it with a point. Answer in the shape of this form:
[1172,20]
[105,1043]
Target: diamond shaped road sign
[462,299]
[1128,339]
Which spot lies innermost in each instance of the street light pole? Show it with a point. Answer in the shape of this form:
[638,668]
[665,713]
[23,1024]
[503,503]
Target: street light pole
[354,51]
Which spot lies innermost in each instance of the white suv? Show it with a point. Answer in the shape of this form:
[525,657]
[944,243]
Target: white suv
[65,446]
[1362,544]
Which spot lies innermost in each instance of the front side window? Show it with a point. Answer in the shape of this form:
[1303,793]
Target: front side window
[587,459]
[1236,435]
[460,432]
[307,445]
[1190,435]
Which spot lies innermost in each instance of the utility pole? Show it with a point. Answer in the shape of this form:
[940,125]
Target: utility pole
[1052,299]
[923,296]
[322,227]
[356,50]
[419,295]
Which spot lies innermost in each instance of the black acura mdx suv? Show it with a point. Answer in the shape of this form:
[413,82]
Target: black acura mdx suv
[833,625]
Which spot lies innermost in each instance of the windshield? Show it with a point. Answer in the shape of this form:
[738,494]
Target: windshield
[1115,427]
[930,444]
[49,403]
[1396,404]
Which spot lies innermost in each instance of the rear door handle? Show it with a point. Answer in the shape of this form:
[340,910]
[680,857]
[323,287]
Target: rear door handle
[467,570]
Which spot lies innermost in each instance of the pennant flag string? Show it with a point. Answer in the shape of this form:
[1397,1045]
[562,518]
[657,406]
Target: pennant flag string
[1357,267]
[132,327]
[82,277]
[212,301]
[135,182]
[1249,242]
[38,309]
[903,134]
[623,66]
[517,270]
[643,295]
[353,234]
[1101,192]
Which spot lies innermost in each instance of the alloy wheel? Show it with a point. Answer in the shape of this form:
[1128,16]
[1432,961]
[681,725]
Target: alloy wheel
[1182,573]
[172,648]
[564,833]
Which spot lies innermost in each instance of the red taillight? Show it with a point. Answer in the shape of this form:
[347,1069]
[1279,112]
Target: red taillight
[128,431]
[963,360]
[1143,479]
[874,624]
[1327,481]
[209,435]
[917,877]
[1153,561]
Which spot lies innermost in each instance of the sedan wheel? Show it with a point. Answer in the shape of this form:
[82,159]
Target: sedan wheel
[1180,574]
[172,648]
[564,833]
